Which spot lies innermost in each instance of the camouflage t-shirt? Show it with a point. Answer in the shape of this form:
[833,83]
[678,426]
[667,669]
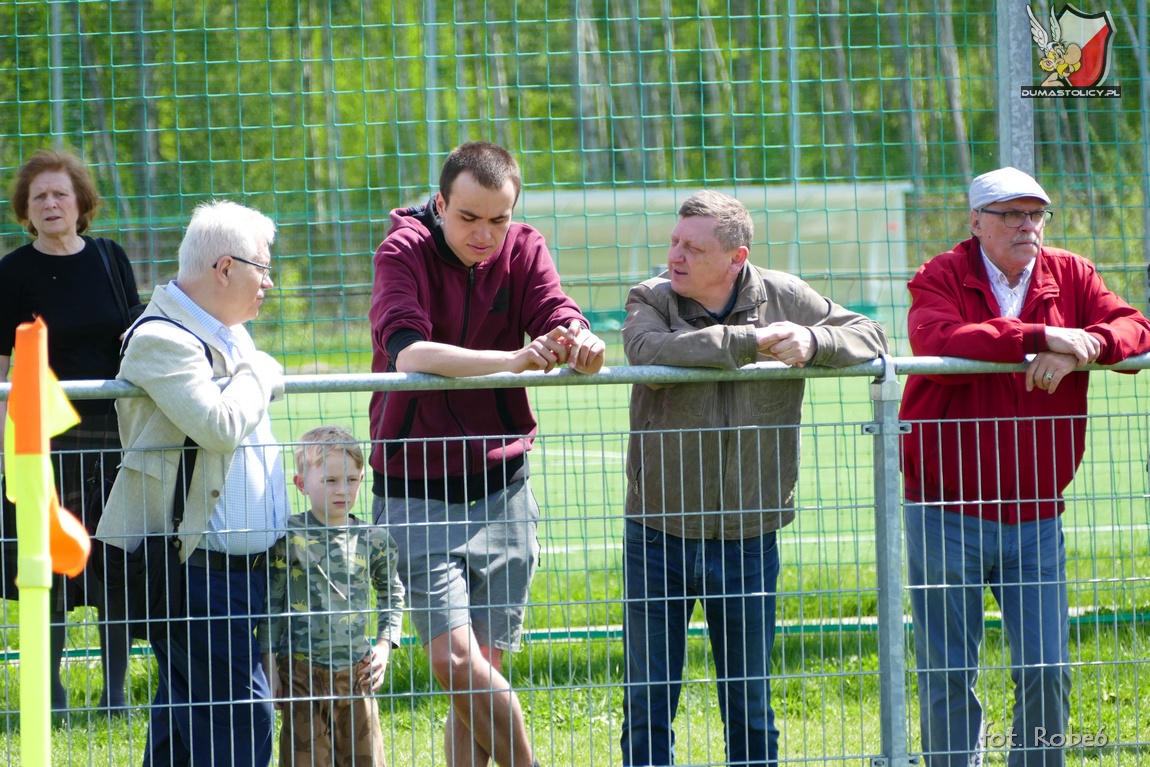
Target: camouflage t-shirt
[319,592]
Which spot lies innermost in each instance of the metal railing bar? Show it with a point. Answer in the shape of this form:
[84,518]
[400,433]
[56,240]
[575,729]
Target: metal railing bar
[762,371]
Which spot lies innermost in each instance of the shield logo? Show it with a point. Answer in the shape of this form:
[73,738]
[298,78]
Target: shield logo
[1077,50]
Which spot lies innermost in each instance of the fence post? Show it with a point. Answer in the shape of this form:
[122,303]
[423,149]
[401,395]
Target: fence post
[886,393]
[1015,66]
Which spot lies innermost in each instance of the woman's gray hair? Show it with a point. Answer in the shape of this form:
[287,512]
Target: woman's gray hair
[222,228]
[733,225]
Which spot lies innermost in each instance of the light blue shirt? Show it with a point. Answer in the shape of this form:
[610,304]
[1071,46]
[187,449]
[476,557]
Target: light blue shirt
[252,511]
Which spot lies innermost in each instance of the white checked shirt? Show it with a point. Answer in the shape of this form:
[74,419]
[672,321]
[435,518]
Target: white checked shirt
[252,511]
[1009,299]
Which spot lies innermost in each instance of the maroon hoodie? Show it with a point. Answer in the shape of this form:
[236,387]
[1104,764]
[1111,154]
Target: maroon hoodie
[456,445]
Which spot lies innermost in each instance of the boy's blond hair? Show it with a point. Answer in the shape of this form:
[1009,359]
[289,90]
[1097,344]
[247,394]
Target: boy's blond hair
[320,442]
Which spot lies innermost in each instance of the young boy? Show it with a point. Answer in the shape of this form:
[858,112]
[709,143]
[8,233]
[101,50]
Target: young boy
[318,609]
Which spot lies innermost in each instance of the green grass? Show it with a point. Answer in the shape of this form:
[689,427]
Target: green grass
[826,686]
[825,690]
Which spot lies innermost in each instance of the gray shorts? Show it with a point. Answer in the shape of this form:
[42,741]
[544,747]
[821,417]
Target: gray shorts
[466,563]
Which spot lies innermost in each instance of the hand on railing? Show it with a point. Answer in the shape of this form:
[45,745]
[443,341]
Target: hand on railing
[786,342]
[542,353]
[1047,370]
[1085,347]
[587,351]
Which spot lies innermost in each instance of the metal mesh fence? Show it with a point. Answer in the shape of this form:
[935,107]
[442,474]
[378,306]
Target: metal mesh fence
[851,131]
[833,685]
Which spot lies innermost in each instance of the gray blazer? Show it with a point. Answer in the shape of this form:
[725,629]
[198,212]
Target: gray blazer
[169,364]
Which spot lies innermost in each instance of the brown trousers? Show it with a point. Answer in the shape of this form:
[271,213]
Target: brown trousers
[329,721]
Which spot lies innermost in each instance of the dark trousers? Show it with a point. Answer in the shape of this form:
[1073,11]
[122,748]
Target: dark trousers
[736,581]
[213,706]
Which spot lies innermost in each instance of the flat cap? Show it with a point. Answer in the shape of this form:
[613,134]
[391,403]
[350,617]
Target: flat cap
[1004,184]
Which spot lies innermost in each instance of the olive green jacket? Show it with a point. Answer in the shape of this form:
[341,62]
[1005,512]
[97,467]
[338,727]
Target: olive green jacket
[721,459]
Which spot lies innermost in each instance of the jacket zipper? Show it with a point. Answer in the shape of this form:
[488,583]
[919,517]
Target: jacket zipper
[725,402]
[467,305]
[462,340]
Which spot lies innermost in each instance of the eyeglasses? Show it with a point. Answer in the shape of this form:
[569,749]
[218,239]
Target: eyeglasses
[265,269]
[1014,218]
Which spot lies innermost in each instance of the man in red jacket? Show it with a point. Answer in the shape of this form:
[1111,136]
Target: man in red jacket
[458,287]
[988,458]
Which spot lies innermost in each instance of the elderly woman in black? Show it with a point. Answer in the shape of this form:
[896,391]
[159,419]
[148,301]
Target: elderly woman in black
[86,293]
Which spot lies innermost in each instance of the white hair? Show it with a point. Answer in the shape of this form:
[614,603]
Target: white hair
[222,228]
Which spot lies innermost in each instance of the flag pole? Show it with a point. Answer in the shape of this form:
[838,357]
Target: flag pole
[49,538]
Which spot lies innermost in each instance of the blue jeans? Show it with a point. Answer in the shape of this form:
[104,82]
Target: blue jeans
[664,576]
[951,558]
[213,704]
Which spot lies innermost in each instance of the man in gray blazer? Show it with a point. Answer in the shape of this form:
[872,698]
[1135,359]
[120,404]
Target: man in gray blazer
[213,702]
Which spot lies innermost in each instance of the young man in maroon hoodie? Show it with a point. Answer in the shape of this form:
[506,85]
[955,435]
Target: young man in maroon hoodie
[458,289]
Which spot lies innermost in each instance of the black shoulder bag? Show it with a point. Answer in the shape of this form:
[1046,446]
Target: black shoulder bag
[128,314]
[99,483]
[145,588]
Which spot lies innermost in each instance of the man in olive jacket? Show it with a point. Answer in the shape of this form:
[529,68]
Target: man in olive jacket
[711,471]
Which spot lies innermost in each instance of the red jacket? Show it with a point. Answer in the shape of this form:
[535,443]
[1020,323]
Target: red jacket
[423,292]
[1019,450]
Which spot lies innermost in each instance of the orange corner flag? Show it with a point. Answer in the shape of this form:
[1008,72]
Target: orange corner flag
[49,538]
[37,410]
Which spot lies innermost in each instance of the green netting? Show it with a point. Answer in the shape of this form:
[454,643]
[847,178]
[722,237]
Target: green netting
[850,129]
